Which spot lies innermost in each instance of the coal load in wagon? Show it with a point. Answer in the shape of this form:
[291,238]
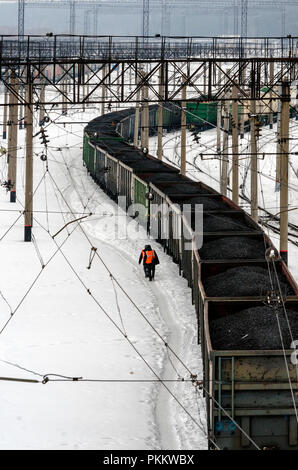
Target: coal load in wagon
[223,223]
[184,188]
[125,155]
[209,203]
[148,166]
[243,281]
[163,177]
[233,248]
[254,328]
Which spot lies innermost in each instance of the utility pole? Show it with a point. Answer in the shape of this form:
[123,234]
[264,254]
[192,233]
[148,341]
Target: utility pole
[160,116]
[137,119]
[254,161]
[271,75]
[21,17]
[42,106]
[165,18]
[235,147]
[64,100]
[13,138]
[21,109]
[146,118]
[219,111]
[242,107]
[5,112]
[103,90]
[284,169]
[145,20]
[72,17]
[236,19]
[204,79]
[278,146]
[244,18]
[283,20]
[225,144]
[29,165]
[142,117]
[183,130]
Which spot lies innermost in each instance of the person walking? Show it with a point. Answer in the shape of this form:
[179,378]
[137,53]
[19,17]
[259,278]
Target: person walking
[150,260]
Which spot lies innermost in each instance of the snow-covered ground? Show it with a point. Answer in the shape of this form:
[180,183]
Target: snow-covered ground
[58,317]
[109,330]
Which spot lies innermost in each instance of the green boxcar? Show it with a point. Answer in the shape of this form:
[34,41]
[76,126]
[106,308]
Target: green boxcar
[200,112]
[91,152]
[139,191]
[86,150]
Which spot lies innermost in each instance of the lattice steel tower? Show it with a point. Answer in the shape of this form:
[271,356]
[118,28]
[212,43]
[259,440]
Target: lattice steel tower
[145,26]
[244,18]
[72,17]
[21,14]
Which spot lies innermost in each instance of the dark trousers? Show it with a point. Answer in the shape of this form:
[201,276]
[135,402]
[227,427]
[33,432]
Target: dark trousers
[149,270]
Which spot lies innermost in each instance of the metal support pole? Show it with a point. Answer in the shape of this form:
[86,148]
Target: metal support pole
[271,74]
[21,18]
[225,145]
[235,149]
[29,166]
[103,91]
[21,109]
[205,80]
[183,131]
[137,119]
[42,106]
[254,163]
[242,107]
[64,101]
[219,113]
[142,118]
[160,116]
[13,139]
[284,169]
[278,146]
[146,118]
[218,145]
[5,113]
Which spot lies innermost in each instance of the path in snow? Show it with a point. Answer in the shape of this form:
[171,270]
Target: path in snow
[58,328]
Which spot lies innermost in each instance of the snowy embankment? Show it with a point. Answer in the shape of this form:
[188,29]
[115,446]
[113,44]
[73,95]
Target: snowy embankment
[78,322]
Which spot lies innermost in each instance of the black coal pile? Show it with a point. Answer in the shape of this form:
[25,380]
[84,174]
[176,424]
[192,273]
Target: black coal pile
[233,248]
[209,203]
[244,281]
[224,223]
[162,177]
[253,328]
[184,188]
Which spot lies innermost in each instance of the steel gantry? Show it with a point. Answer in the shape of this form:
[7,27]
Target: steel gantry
[83,70]
[81,60]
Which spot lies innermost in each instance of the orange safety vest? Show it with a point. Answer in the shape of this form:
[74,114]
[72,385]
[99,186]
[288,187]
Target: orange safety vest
[150,257]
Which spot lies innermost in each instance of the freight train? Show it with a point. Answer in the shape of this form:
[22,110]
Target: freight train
[245,297]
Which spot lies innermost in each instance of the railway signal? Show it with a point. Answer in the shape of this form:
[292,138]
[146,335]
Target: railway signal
[258,129]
